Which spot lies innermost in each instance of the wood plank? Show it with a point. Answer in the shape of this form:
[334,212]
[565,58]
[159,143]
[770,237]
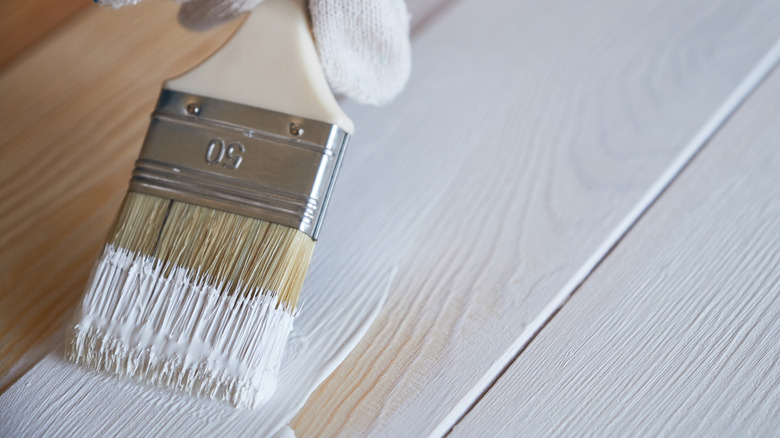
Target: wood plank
[675,333]
[25,22]
[74,114]
[567,146]
[529,139]
[75,111]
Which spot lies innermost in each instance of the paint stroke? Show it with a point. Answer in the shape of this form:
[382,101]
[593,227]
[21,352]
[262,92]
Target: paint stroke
[58,398]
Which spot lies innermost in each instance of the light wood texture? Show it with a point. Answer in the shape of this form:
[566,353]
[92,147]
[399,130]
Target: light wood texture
[74,114]
[676,333]
[25,22]
[75,110]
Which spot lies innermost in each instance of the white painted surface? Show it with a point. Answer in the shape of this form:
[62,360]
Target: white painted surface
[136,320]
[57,398]
[530,136]
[676,333]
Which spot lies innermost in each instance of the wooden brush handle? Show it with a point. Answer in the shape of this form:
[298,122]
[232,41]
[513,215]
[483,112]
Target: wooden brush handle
[270,62]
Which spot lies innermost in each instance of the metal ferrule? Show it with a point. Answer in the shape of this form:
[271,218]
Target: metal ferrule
[241,159]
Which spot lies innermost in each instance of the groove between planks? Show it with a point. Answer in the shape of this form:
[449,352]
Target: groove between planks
[420,361]
[732,104]
[675,333]
[527,152]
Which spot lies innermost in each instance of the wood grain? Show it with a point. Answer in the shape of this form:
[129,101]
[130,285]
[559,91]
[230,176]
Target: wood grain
[74,113]
[25,22]
[526,143]
[73,117]
[530,134]
[675,334]
[58,398]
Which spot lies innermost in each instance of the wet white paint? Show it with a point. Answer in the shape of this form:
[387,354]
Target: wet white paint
[179,330]
[59,398]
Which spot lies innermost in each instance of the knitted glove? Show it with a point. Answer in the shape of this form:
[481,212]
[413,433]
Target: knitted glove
[363,45]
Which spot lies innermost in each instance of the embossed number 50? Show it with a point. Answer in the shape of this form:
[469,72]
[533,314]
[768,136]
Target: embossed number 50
[230,156]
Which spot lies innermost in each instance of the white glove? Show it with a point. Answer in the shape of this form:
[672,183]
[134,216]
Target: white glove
[363,45]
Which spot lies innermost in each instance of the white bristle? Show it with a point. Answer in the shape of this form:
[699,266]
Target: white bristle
[174,327]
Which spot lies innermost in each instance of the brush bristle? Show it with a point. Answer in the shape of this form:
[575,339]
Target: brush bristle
[192,298]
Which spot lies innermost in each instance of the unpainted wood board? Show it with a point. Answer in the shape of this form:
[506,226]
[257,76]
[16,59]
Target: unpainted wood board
[25,22]
[676,332]
[75,109]
[73,117]
[530,132]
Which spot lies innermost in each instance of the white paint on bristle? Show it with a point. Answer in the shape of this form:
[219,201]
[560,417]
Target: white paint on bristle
[56,398]
[179,330]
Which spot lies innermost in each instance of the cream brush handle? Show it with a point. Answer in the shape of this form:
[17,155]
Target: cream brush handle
[270,62]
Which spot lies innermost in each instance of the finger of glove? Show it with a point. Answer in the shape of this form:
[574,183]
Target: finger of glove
[205,14]
[363,47]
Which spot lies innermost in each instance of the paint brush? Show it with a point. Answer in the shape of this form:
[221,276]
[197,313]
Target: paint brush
[197,286]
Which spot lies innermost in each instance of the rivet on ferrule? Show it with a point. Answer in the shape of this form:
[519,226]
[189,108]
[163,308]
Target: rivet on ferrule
[296,129]
[240,159]
[193,108]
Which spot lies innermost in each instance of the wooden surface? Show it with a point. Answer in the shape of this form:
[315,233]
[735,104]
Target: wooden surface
[676,333]
[76,108]
[515,159]
[57,398]
[25,22]
[75,112]
[531,137]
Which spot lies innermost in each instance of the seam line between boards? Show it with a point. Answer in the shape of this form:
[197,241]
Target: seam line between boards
[440,10]
[733,102]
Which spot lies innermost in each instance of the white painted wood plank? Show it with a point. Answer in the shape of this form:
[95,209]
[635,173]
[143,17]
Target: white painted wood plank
[528,139]
[676,332]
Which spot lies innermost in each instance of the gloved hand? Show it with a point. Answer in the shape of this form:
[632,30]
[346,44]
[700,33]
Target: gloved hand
[363,45]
